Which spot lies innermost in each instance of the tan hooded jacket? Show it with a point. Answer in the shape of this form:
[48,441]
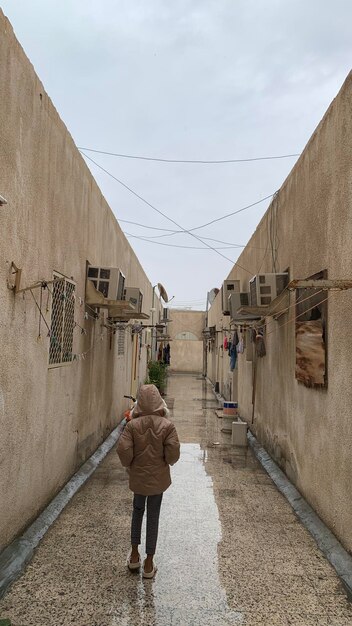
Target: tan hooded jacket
[149,444]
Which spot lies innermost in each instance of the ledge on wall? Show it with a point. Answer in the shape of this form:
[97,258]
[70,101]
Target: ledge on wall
[96,299]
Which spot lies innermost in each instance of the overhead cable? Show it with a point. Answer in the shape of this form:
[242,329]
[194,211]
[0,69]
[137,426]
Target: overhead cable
[298,316]
[188,161]
[227,246]
[172,245]
[218,219]
[166,216]
[234,245]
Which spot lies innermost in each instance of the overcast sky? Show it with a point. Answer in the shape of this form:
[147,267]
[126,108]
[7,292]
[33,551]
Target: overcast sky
[188,79]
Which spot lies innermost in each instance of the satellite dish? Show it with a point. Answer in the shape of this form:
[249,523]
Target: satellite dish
[163,293]
[212,295]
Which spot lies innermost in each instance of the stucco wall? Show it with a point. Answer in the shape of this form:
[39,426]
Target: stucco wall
[186,355]
[56,219]
[308,430]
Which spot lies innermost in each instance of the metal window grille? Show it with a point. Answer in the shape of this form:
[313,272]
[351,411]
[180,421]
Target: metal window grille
[121,341]
[62,321]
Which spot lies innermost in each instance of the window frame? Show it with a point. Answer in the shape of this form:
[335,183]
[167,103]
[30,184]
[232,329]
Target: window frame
[322,304]
[65,279]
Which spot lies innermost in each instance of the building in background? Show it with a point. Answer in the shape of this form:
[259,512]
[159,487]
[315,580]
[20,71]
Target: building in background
[185,334]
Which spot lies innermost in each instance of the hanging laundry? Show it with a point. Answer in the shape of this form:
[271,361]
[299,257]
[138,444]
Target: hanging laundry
[240,345]
[226,343]
[167,354]
[233,357]
[260,345]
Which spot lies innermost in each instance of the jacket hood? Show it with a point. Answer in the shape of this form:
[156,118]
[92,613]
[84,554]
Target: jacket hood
[149,402]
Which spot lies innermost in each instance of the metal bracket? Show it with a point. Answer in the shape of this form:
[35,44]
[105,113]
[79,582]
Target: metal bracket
[14,277]
[320,284]
[15,283]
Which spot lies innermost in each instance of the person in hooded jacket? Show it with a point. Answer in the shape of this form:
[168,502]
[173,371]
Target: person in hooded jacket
[147,447]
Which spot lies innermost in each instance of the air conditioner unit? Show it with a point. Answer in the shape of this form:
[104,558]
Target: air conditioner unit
[229,287]
[135,297]
[209,332]
[264,288]
[110,281]
[236,300]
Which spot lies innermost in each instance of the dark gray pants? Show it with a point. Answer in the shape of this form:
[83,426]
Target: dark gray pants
[153,512]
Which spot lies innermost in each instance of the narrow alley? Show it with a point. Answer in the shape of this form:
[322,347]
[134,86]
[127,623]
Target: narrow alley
[230,549]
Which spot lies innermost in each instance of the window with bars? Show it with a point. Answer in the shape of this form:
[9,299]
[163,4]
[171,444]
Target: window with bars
[311,335]
[121,341]
[62,321]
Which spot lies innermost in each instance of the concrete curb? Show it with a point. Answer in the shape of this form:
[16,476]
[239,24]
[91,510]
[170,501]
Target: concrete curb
[327,542]
[16,556]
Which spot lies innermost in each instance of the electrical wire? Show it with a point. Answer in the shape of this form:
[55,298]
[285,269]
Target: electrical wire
[287,308]
[191,161]
[167,217]
[300,315]
[273,231]
[168,230]
[218,219]
[172,245]
[228,244]
[183,230]
[249,206]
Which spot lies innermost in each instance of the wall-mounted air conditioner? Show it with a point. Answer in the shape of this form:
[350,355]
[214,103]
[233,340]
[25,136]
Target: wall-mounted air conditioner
[236,300]
[229,287]
[209,332]
[110,281]
[264,288]
[135,297]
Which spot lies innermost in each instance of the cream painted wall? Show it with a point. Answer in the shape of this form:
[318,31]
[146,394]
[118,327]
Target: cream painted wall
[308,431]
[56,219]
[186,355]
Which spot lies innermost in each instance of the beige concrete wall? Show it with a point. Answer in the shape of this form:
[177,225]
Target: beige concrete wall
[308,430]
[186,355]
[56,219]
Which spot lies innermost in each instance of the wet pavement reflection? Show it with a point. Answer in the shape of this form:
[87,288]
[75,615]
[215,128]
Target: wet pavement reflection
[187,588]
[230,549]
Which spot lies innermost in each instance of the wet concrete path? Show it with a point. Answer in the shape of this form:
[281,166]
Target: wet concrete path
[230,550]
